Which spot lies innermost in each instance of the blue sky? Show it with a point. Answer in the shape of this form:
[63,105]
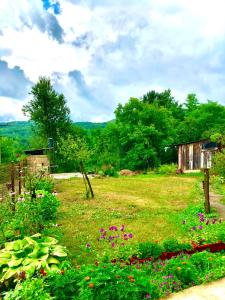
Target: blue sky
[101,52]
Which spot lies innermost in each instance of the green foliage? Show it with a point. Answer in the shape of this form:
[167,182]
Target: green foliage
[64,285]
[9,147]
[48,110]
[219,164]
[45,183]
[48,205]
[173,245]
[31,289]
[150,249]
[167,169]
[30,255]
[108,170]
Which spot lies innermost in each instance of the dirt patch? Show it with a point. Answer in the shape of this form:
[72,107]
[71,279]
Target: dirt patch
[215,202]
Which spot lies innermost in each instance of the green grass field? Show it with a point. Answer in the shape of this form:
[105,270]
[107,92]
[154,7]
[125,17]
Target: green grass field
[147,205]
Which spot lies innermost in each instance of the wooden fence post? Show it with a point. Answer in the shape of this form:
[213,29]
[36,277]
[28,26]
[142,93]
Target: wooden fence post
[206,190]
[13,185]
[20,178]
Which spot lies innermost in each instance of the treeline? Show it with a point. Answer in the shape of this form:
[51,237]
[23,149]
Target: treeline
[143,134]
[146,130]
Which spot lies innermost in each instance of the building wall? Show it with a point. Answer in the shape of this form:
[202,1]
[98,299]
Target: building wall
[192,157]
[36,163]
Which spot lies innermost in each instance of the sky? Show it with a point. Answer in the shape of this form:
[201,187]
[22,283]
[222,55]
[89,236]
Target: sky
[99,53]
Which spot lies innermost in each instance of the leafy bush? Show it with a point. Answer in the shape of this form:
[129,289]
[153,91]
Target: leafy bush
[48,205]
[167,169]
[46,184]
[30,255]
[150,249]
[31,289]
[108,170]
[219,164]
[64,285]
[172,245]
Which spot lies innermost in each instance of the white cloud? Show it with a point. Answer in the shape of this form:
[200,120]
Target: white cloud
[121,48]
[12,108]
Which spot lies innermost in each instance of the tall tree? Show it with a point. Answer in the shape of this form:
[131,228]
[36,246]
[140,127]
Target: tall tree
[48,110]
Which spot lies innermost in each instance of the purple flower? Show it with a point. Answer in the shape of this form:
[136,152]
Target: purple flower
[125,236]
[111,238]
[170,276]
[130,235]
[103,236]
[200,215]
[200,227]
[113,244]
[88,245]
[102,230]
[113,228]
[122,244]
[122,227]
[193,228]
[202,219]
[148,296]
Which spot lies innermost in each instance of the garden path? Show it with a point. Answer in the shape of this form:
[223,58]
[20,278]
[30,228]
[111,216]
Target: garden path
[210,291]
[215,202]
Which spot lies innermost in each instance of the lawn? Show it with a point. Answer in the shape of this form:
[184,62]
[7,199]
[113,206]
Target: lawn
[148,206]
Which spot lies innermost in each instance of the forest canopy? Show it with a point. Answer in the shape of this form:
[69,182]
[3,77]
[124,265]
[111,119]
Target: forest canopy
[143,134]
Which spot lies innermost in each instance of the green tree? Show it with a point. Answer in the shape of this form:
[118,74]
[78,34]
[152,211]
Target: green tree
[48,110]
[145,130]
[77,150]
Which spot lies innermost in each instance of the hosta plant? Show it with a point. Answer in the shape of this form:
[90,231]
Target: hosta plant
[23,258]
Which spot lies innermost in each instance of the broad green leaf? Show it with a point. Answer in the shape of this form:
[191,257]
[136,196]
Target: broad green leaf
[15,262]
[53,260]
[54,268]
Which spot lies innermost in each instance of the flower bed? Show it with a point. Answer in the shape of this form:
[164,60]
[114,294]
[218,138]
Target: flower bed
[215,247]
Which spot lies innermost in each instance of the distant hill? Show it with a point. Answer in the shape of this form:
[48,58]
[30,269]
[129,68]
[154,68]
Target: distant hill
[23,129]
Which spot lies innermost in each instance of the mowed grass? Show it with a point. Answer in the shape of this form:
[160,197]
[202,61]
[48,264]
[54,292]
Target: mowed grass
[147,205]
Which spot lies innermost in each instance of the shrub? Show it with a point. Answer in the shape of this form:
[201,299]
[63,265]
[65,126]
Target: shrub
[167,169]
[46,184]
[172,245]
[109,170]
[32,289]
[48,204]
[64,285]
[219,164]
[150,249]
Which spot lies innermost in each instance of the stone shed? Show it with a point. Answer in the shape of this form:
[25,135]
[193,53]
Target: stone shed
[37,160]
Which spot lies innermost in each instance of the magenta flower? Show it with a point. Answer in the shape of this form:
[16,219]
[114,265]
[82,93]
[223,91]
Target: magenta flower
[111,238]
[113,228]
[122,244]
[130,235]
[193,228]
[200,227]
[122,227]
[113,245]
[102,230]
[148,296]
